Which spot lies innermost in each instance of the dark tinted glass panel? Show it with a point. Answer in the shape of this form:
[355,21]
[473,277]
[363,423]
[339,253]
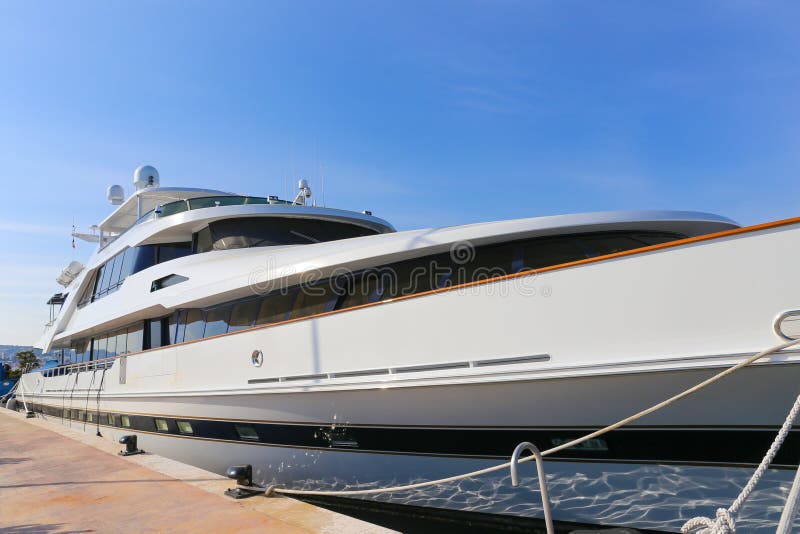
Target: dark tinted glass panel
[87,292]
[119,259]
[98,348]
[155,333]
[217,321]
[102,278]
[243,315]
[545,252]
[202,240]
[600,245]
[275,308]
[128,264]
[135,337]
[413,276]
[195,324]
[122,339]
[482,263]
[109,270]
[145,257]
[361,289]
[173,250]
[173,207]
[210,202]
[656,238]
[311,301]
[263,232]
[111,345]
[179,326]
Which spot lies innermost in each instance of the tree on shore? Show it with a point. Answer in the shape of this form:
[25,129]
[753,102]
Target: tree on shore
[24,358]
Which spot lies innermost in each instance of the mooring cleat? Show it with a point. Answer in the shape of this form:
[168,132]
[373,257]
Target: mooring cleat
[130,445]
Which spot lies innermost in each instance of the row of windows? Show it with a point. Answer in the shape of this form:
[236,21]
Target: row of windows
[218,235]
[354,289]
[110,276]
[224,430]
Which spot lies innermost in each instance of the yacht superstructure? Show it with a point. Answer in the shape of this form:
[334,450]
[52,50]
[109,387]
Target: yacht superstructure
[329,350]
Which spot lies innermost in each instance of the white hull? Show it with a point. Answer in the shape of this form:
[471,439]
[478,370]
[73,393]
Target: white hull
[600,486]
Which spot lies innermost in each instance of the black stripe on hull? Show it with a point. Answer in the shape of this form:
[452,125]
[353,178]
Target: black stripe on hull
[708,446]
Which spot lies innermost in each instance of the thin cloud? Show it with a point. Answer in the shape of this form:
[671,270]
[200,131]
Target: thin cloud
[33,228]
[489,100]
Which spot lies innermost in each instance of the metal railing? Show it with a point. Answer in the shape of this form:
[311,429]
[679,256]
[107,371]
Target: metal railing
[79,367]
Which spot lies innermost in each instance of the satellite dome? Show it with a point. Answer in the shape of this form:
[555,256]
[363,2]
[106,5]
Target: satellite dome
[115,194]
[145,176]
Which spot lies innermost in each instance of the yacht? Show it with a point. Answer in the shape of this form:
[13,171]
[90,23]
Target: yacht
[330,351]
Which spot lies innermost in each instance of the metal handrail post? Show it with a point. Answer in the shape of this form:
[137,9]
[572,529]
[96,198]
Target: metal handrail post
[528,446]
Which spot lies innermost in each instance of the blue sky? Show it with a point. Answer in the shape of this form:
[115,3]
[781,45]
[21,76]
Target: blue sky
[427,113]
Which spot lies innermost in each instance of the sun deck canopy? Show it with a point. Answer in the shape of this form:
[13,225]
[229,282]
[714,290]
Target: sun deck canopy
[130,211]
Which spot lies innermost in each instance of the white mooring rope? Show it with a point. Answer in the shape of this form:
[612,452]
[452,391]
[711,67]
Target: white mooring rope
[561,447]
[724,521]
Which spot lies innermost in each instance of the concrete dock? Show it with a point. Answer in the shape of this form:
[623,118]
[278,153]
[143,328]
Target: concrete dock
[55,479]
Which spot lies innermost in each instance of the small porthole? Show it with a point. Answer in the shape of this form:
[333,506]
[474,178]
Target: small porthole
[161,425]
[112,419]
[257,357]
[787,325]
[126,421]
[185,427]
[246,433]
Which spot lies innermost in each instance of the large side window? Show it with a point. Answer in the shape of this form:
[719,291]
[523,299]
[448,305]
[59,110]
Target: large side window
[195,325]
[135,338]
[128,264]
[544,252]
[217,321]
[275,307]
[172,251]
[313,300]
[243,315]
[363,288]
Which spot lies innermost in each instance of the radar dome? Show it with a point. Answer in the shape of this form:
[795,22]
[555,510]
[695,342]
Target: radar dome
[144,177]
[115,194]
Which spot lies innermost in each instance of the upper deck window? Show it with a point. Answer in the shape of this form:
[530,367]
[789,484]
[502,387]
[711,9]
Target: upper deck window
[266,231]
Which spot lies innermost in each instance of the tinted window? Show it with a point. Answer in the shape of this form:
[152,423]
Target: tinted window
[243,315]
[414,276]
[217,321]
[600,245]
[364,288]
[545,252]
[145,257]
[102,280]
[264,232]
[134,338]
[173,250]
[128,264]
[119,259]
[179,326]
[111,345]
[98,348]
[122,338]
[275,308]
[482,263]
[194,325]
[656,238]
[155,333]
[312,300]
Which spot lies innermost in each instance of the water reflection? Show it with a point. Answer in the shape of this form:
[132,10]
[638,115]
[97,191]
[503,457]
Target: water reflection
[640,496]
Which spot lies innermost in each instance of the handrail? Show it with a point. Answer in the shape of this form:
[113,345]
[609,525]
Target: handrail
[528,446]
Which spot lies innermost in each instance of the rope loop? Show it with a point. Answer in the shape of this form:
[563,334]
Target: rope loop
[723,524]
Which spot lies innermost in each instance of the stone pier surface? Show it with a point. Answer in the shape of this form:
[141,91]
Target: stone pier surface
[55,479]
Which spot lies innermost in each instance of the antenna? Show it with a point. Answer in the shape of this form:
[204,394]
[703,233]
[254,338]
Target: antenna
[322,177]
